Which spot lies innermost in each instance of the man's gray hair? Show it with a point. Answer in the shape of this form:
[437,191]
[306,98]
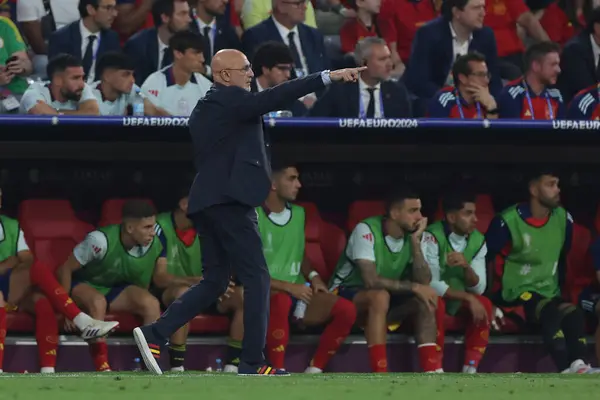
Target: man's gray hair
[362,51]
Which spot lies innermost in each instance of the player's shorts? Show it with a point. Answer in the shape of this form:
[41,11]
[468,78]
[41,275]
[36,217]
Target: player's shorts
[531,302]
[158,293]
[110,296]
[588,299]
[348,293]
[5,283]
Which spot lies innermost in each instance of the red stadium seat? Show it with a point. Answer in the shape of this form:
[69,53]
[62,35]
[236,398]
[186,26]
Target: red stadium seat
[362,209]
[580,272]
[111,210]
[485,211]
[333,243]
[35,209]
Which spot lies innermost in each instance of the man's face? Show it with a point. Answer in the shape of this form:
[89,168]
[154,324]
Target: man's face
[287,184]
[380,62]
[464,220]
[71,83]
[372,6]
[180,20]
[407,214]
[142,230]
[295,10]
[479,75]
[214,7]
[239,72]
[120,80]
[105,14]
[191,60]
[546,191]
[278,74]
[548,68]
[472,15]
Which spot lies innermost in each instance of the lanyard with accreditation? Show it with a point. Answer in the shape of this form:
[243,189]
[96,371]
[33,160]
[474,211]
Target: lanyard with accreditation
[530,104]
[460,109]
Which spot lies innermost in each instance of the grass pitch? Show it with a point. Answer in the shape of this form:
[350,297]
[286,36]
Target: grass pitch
[215,386]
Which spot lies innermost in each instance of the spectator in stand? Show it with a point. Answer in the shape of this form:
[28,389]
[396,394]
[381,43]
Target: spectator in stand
[286,25]
[272,65]
[256,11]
[133,16]
[503,16]
[585,105]
[438,43]
[553,20]
[175,90]
[111,270]
[403,18]
[589,299]
[66,93]
[5,9]
[88,38]
[374,95]
[580,59]
[295,286]
[527,248]
[532,96]
[150,48]
[216,31]
[470,96]
[375,272]
[38,19]
[116,90]
[184,269]
[15,66]
[455,252]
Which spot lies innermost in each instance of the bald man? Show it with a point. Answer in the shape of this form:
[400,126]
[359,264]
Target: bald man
[233,177]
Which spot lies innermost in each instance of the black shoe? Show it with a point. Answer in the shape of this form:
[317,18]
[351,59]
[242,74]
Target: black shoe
[149,347]
[262,370]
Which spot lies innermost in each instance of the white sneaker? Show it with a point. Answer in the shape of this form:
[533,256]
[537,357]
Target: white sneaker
[47,370]
[579,367]
[313,370]
[230,368]
[98,329]
[178,369]
[469,369]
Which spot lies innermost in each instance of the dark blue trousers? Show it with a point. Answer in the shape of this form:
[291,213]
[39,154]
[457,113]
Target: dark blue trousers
[230,243]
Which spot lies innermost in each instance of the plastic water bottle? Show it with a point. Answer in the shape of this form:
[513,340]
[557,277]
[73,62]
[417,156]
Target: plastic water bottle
[137,366]
[300,309]
[138,104]
[182,108]
[219,365]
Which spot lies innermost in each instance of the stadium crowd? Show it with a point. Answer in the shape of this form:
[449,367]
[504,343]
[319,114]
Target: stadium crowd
[441,59]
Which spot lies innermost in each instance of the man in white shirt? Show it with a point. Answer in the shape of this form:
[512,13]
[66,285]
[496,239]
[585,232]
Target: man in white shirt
[115,90]
[175,90]
[66,93]
[455,252]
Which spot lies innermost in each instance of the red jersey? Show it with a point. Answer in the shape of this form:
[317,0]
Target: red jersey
[354,30]
[448,103]
[518,101]
[502,16]
[405,17]
[557,25]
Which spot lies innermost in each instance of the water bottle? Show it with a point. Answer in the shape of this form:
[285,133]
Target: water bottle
[300,309]
[138,104]
[219,365]
[182,108]
[137,366]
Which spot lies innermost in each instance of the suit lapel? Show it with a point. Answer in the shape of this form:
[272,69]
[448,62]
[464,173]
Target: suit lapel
[272,30]
[152,50]
[307,48]
[76,39]
[588,53]
[352,95]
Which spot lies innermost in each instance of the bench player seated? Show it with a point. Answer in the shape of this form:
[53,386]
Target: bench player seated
[383,271]
[17,272]
[531,241]
[295,286]
[455,252]
[589,299]
[112,268]
[184,269]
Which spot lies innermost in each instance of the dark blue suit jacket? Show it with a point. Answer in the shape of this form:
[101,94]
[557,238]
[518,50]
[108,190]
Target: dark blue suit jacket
[68,40]
[431,58]
[313,46]
[297,108]
[578,67]
[230,154]
[143,49]
[226,37]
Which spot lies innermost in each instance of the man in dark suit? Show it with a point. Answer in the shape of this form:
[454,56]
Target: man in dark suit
[150,47]
[272,65]
[88,38]
[438,43]
[210,22]
[233,178]
[374,95]
[286,26]
[580,59]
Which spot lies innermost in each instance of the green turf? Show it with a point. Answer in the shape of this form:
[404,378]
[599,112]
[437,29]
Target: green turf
[132,386]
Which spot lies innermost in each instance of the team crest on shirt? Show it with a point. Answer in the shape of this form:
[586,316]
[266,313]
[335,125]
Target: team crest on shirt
[368,237]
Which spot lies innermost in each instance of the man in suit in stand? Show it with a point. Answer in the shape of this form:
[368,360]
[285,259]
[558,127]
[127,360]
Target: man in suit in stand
[233,177]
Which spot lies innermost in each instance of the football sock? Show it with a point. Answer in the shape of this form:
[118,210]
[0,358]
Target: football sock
[343,316]
[279,329]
